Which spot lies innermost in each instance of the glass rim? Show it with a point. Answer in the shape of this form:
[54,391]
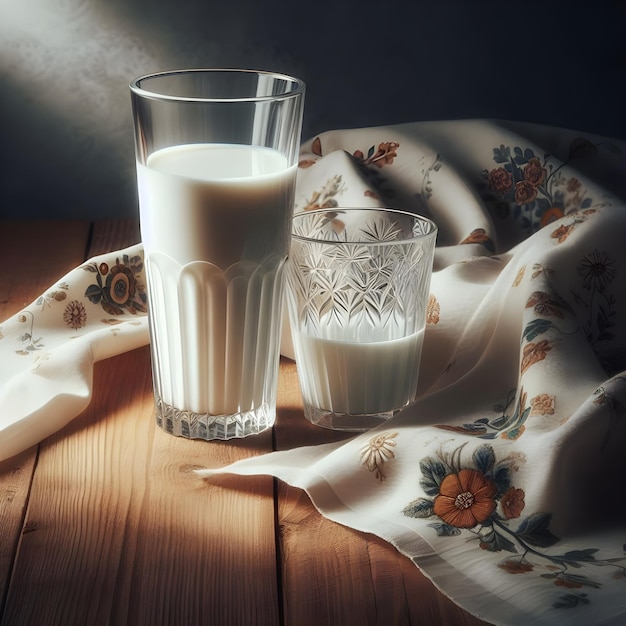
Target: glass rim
[361,242]
[144,92]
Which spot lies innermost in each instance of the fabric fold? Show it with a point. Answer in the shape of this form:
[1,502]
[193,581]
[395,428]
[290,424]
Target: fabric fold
[502,481]
[49,348]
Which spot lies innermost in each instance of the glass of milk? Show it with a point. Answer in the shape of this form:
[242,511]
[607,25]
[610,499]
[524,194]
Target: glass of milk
[216,153]
[358,283]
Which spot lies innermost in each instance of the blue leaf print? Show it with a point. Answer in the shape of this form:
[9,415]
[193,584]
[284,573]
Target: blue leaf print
[445,530]
[420,508]
[484,458]
[535,328]
[534,530]
[433,472]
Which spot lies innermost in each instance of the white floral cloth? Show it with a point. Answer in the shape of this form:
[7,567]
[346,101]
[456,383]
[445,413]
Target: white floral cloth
[504,480]
[47,351]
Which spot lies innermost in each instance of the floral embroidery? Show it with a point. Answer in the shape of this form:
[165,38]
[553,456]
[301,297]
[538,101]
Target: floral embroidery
[535,190]
[503,425]
[534,352]
[376,159]
[426,191]
[479,498]
[55,295]
[479,235]
[377,452]
[118,288]
[541,270]
[368,193]
[500,180]
[32,343]
[543,404]
[75,315]
[519,277]
[385,154]
[316,146]
[465,498]
[40,359]
[548,304]
[551,215]
[597,271]
[606,396]
[304,163]
[512,503]
[515,566]
[564,230]
[433,309]
[325,198]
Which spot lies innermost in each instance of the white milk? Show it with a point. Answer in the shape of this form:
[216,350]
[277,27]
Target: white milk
[358,377]
[215,224]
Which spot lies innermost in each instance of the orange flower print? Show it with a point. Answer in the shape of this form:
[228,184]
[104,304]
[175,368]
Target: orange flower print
[513,503]
[535,352]
[562,232]
[481,507]
[516,566]
[525,193]
[534,173]
[573,185]
[368,193]
[465,499]
[500,180]
[519,276]
[385,154]
[304,163]
[551,215]
[569,582]
[479,235]
[316,147]
[433,310]
[543,404]
[527,180]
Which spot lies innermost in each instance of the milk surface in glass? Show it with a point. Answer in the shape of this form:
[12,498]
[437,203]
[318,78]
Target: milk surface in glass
[364,377]
[215,223]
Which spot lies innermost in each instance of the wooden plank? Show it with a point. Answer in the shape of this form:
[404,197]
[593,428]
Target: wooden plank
[33,256]
[335,575]
[110,235]
[120,529]
[130,534]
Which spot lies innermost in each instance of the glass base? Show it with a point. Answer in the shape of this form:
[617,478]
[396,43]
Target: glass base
[209,427]
[346,421]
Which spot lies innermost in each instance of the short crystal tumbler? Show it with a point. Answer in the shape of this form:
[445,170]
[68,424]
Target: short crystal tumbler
[216,156]
[358,283]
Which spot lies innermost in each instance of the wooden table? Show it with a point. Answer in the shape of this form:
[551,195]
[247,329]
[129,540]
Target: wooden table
[106,523]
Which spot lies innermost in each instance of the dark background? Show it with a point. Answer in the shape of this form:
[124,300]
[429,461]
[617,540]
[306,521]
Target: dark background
[65,120]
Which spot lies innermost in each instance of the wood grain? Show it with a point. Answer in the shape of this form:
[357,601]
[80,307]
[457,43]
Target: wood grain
[108,524]
[111,235]
[32,257]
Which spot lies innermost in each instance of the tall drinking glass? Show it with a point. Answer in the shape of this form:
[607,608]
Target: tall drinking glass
[216,157]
